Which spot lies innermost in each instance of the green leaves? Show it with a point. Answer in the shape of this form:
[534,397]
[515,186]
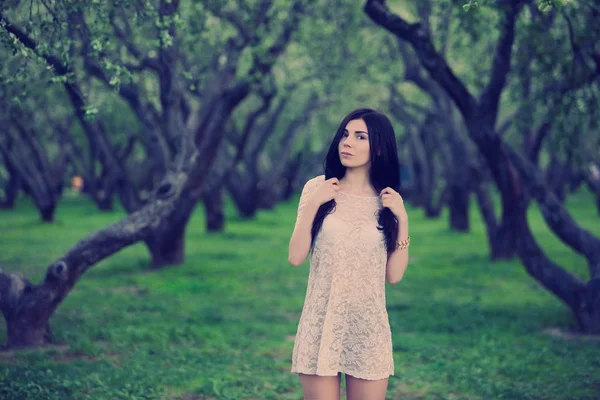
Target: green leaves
[547,5]
[90,112]
[543,5]
[471,4]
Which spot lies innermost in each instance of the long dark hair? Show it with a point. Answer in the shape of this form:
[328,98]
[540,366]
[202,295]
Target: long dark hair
[384,171]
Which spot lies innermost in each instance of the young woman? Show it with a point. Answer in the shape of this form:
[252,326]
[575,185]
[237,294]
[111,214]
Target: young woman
[355,223]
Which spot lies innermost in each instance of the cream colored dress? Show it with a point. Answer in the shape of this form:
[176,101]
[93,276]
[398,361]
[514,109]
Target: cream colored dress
[344,324]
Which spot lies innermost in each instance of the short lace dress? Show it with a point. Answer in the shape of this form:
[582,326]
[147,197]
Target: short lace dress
[344,325]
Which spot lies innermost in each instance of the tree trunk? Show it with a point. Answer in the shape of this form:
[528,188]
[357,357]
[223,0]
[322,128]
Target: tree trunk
[501,243]
[213,210]
[504,244]
[244,193]
[11,189]
[511,192]
[290,175]
[417,198]
[167,243]
[105,203]
[432,209]
[47,212]
[556,175]
[245,201]
[588,310]
[25,331]
[459,208]
[593,183]
[457,166]
[583,298]
[267,195]
[498,243]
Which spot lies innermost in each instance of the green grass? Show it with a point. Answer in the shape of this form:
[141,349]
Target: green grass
[221,326]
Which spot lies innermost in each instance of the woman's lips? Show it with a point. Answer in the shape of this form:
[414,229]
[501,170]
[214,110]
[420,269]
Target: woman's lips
[346,154]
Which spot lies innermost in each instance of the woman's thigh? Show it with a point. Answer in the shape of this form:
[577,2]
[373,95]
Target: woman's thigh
[316,387]
[362,389]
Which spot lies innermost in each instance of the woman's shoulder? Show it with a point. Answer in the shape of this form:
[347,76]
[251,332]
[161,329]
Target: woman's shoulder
[315,180]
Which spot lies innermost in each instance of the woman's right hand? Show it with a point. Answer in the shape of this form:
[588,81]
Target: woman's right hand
[326,192]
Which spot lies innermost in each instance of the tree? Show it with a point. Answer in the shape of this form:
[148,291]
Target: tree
[183,133]
[190,98]
[514,175]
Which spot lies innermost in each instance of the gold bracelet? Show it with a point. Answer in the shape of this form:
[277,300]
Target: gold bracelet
[403,244]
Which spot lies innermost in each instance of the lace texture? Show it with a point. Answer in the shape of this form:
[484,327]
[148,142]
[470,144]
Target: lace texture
[344,325]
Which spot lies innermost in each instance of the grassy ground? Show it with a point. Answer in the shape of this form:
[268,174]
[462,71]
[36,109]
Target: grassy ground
[222,325]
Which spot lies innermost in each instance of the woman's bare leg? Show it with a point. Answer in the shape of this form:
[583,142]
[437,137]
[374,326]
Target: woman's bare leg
[320,387]
[362,389]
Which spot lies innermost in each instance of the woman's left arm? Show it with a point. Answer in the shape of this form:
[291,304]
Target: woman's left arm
[398,259]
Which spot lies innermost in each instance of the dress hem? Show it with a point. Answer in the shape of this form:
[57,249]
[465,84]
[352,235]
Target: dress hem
[344,371]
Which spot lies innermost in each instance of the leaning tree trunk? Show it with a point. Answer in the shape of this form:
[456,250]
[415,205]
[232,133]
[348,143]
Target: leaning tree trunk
[583,298]
[27,307]
[486,207]
[160,223]
[162,219]
[556,177]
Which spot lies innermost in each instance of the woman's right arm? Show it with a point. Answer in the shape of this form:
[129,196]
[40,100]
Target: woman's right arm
[301,237]
[316,191]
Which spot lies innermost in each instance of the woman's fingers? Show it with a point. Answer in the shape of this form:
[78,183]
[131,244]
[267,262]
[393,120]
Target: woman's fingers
[387,190]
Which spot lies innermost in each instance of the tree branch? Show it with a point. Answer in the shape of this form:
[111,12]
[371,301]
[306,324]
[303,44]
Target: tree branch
[490,97]
[125,38]
[430,59]
[555,215]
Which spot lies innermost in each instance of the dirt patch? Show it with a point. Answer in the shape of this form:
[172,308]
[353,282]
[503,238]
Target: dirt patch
[7,356]
[67,358]
[570,335]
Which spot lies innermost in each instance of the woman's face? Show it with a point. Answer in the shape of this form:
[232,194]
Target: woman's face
[354,148]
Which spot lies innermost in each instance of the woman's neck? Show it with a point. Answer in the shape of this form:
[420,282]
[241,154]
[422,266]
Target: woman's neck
[356,181]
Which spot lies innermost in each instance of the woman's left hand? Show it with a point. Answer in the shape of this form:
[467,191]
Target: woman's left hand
[392,200]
